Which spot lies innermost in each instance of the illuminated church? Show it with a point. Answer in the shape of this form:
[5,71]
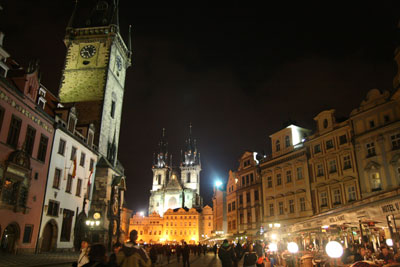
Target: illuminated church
[176,187]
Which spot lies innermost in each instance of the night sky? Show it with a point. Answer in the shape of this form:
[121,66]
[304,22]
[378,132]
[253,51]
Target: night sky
[236,74]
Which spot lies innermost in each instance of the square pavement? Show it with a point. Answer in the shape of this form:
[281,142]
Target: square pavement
[42,259]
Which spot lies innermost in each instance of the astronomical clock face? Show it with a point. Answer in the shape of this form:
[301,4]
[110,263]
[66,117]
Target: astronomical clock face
[88,51]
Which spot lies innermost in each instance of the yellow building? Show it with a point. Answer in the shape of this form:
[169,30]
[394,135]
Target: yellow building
[285,179]
[176,225]
[333,172]
[232,203]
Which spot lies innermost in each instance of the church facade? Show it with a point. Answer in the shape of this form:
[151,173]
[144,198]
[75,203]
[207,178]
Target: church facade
[176,187]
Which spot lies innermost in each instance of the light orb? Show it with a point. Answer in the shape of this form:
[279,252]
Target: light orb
[334,249]
[273,247]
[292,247]
[389,242]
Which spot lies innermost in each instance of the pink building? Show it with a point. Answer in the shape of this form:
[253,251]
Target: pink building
[26,137]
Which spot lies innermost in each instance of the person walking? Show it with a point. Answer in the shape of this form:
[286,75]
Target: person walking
[131,255]
[226,254]
[185,255]
[215,248]
[153,255]
[178,253]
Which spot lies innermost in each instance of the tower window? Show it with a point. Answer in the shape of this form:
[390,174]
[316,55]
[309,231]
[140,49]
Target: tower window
[188,177]
[159,178]
[277,145]
[112,109]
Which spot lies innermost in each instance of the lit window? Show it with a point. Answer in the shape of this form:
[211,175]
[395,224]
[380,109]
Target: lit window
[376,182]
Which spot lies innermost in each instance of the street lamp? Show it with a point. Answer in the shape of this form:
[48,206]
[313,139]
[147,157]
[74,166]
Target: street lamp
[218,183]
[292,247]
[334,250]
[389,242]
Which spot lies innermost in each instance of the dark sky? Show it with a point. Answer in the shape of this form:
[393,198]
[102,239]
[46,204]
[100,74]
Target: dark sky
[237,74]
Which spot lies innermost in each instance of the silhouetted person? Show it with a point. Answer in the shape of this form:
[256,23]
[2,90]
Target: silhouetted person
[226,254]
[185,255]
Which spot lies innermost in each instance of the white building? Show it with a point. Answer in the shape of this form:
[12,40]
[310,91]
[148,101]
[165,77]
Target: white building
[69,183]
[173,188]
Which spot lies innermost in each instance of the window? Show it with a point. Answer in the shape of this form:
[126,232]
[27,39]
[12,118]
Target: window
[73,153]
[269,182]
[376,183]
[82,160]
[291,205]
[370,149]
[27,233]
[302,204]
[249,217]
[66,225]
[241,199]
[78,187]
[188,177]
[386,118]
[247,179]
[278,179]
[229,207]
[233,205]
[329,144]
[159,179]
[320,170]
[241,218]
[52,209]
[351,193]
[57,178]
[90,139]
[91,164]
[346,162]
[251,178]
[280,208]
[277,145]
[42,151]
[395,141]
[256,195]
[243,181]
[61,147]
[288,176]
[299,171]
[332,166]
[371,124]
[342,139]
[324,199]
[30,139]
[336,197]
[317,149]
[248,197]
[287,141]
[271,209]
[13,132]
[69,184]
[112,109]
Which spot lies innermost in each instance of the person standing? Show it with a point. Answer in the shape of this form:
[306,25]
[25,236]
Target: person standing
[226,254]
[97,256]
[250,257]
[131,255]
[185,255]
[84,254]
[112,261]
[178,253]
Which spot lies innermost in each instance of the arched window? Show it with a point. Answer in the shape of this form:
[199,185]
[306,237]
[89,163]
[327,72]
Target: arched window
[277,145]
[287,141]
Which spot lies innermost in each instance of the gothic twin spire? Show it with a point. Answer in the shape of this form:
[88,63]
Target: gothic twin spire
[189,156]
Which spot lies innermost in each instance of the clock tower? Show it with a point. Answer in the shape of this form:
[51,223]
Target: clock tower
[93,77]
[93,81]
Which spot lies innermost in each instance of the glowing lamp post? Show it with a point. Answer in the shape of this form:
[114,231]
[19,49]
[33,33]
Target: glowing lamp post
[293,248]
[334,250]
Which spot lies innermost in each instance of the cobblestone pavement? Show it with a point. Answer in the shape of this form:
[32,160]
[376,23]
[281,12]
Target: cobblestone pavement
[37,260]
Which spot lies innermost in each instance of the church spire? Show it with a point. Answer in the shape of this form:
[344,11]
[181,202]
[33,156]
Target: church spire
[130,42]
[115,16]
[72,18]
[161,158]
[190,154]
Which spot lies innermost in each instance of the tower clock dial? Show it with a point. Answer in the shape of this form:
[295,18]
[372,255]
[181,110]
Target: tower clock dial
[88,51]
